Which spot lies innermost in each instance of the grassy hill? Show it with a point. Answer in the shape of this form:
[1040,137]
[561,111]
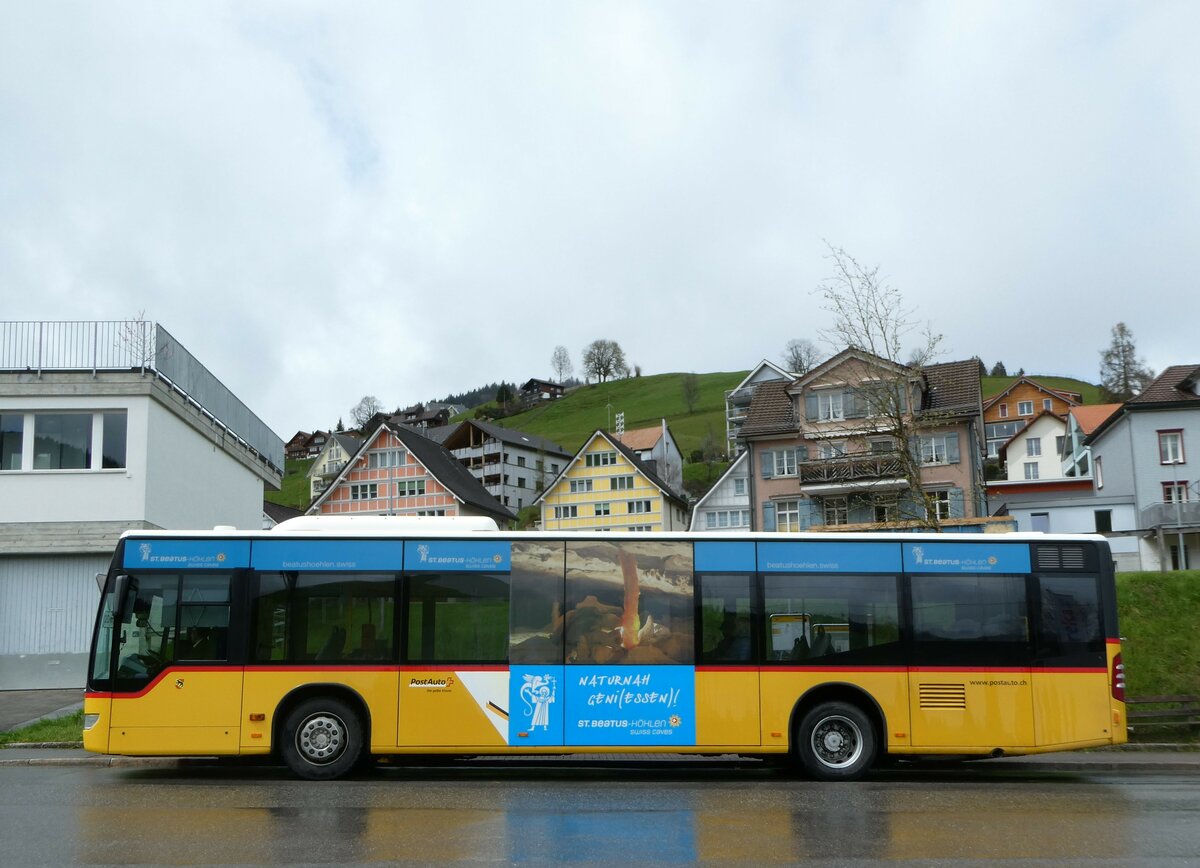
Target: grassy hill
[294,489]
[645,401]
[993,386]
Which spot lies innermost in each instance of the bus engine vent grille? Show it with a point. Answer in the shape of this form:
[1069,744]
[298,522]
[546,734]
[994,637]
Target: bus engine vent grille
[942,695]
[1061,558]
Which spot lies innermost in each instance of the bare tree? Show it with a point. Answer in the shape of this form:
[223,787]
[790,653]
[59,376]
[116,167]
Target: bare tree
[870,315]
[691,391]
[800,355]
[367,407]
[560,363]
[604,359]
[1122,373]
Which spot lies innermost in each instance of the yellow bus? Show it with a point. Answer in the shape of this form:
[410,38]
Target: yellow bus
[331,641]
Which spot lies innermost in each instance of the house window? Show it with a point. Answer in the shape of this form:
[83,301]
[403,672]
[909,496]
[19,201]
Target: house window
[364,491]
[1170,447]
[603,509]
[836,510]
[1033,446]
[1031,470]
[739,486]
[430,512]
[1099,465]
[622,483]
[1040,522]
[571,511]
[380,460]
[1175,492]
[933,450]
[410,487]
[785,462]
[62,441]
[1059,443]
[726,518]
[520,461]
[883,447]
[639,506]
[579,486]
[1047,404]
[831,450]
[12,438]
[520,482]
[886,507]
[1103,520]
[115,428]
[829,406]
[1024,408]
[787,516]
[600,459]
[1003,411]
[940,502]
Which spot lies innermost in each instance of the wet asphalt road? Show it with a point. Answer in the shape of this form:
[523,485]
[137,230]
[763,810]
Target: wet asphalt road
[238,815]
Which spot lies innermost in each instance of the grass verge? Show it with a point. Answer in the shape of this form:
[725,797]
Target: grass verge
[62,730]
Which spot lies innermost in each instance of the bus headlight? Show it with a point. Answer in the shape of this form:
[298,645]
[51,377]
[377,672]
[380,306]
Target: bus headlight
[90,720]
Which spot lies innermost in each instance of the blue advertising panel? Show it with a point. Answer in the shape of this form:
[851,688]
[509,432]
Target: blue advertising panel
[630,705]
[828,557]
[186,554]
[535,705]
[724,557]
[328,555]
[980,557]
[441,556]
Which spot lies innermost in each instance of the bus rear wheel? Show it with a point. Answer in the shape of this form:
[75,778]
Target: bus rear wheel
[322,739]
[836,741]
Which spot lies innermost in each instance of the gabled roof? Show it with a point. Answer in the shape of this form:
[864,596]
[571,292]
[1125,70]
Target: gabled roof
[731,470]
[277,512]
[844,356]
[1175,385]
[505,435]
[771,411]
[349,442]
[952,388]
[534,383]
[630,455]
[1089,417]
[642,439]
[1072,398]
[437,461]
[1024,432]
[769,367]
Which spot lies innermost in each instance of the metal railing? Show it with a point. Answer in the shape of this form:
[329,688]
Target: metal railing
[144,347]
[1169,515]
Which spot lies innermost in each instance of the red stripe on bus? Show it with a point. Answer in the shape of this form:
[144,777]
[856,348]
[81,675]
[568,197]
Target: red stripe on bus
[455,667]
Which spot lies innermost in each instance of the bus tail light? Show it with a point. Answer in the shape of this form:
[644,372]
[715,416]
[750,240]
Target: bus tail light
[1118,678]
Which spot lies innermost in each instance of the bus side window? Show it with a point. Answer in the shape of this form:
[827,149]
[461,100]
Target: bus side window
[725,613]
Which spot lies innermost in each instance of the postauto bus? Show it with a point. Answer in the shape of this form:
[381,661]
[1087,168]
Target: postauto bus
[332,641]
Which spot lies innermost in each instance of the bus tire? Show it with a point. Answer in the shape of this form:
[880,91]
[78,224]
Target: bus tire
[322,739]
[836,741]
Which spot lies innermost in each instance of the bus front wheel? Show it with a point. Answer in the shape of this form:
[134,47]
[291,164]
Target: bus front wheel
[836,742]
[322,739]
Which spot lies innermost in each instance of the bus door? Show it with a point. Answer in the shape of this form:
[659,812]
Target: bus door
[970,683]
[727,679]
[1070,676]
[174,691]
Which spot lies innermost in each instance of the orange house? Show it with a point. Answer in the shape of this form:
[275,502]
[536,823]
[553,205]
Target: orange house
[1018,405]
[399,471]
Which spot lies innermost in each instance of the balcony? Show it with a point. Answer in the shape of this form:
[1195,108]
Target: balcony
[849,468]
[1169,515]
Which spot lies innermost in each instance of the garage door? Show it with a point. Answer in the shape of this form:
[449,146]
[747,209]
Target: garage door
[47,607]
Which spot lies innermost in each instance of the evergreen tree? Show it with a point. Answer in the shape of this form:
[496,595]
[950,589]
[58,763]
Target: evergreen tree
[1122,373]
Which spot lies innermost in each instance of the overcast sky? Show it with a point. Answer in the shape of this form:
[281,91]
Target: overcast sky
[323,201]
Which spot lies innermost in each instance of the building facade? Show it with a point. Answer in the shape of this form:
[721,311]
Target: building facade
[106,427]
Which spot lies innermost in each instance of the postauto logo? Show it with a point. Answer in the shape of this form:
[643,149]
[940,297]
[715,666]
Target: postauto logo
[432,682]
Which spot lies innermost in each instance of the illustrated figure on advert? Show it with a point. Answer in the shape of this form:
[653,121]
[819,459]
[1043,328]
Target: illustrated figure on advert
[537,693]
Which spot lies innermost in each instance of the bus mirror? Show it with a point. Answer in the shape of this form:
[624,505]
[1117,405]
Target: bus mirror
[100,579]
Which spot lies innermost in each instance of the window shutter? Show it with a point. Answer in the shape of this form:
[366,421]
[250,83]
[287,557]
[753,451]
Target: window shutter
[810,407]
[902,395]
[854,405]
[914,448]
[809,512]
[768,464]
[769,516]
[952,448]
[860,511]
[957,505]
[801,456]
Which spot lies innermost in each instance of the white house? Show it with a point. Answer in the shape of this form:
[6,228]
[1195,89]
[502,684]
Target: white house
[738,399]
[106,427]
[726,506]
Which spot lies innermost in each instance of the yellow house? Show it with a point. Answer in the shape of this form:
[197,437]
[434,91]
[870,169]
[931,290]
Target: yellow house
[606,486]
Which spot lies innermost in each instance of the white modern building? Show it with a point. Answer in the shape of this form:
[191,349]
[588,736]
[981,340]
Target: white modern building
[726,506]
[105,427]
